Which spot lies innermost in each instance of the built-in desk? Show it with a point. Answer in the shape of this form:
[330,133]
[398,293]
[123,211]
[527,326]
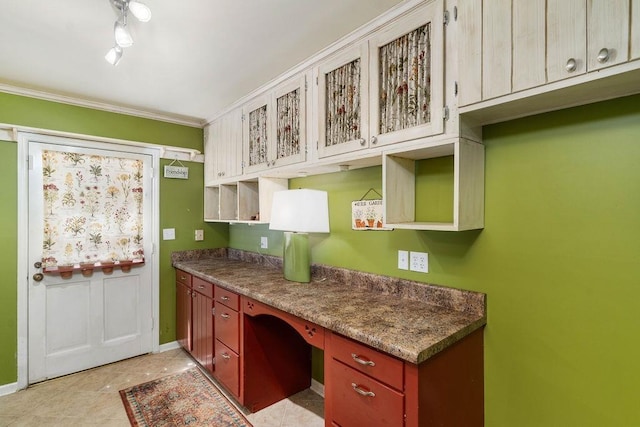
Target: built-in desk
[396,352]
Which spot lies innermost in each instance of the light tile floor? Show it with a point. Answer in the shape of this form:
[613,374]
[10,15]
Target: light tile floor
[91,398]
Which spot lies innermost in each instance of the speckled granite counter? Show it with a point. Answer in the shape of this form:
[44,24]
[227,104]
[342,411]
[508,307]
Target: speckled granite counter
[410,320]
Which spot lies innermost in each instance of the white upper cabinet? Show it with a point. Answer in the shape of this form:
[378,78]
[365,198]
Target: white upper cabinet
[386,89]
[511,46]
[274,127]
[223,147]
[343,107]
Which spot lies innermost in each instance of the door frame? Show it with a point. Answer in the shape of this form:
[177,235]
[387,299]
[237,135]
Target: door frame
[24,270]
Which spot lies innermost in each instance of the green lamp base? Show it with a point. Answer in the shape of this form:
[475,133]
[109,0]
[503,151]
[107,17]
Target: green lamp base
[296,258]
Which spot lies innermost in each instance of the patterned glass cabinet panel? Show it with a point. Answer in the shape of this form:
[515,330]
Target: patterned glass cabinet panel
[275,127]
[343,94]
[407,71]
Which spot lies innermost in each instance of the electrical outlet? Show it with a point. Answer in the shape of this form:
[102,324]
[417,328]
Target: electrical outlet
[199,235]
[264,243]
[403,260]
[419,261]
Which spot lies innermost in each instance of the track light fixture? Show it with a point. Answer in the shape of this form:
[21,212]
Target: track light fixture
[120,31]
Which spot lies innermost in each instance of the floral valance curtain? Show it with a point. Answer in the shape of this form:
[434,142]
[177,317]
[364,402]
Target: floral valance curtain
[288,126]
[258,136]
[405,81]
[343,104]
[93,209]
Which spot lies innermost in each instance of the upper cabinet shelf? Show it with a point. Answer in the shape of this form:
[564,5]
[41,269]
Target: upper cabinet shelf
[385,90]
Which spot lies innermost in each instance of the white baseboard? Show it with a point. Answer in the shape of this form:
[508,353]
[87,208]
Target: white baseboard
[8,388]
[317,387]
[168,346]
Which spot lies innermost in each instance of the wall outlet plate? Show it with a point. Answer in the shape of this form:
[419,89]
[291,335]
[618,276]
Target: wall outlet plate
[199,235]
[403,260]
[264,243]
[419,261]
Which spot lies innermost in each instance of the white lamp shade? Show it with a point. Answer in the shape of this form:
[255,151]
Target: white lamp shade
[140,10]
[122,35]
[303,211]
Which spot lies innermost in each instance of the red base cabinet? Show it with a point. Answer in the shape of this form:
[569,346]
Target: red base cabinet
[183,309]
[202,306]
[227,340]
[366,387]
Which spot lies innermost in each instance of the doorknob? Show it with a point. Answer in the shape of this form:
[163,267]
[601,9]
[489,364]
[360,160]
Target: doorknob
[38,277]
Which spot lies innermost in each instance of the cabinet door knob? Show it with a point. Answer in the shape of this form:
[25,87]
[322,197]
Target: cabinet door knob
[361,391]
[374,139]
[362,361]
[363,141]
[603,55]
[571,65]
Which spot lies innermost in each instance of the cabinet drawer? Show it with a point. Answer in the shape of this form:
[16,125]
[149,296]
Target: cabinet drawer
[227,326]
[183,277]
[227,369]
[365,359]
[227,298]
[359,400]
[205,288]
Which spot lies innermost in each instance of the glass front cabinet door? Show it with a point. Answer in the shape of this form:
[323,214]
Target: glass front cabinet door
[275,127]
[343,95]
[406,77]
[385,90]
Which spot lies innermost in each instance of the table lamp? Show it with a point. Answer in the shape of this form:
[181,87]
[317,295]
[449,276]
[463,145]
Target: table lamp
[297,213]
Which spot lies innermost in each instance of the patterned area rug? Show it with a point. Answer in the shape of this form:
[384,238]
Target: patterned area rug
[185,399]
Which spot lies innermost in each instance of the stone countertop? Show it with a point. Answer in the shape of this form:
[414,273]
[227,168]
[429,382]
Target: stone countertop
[412,323]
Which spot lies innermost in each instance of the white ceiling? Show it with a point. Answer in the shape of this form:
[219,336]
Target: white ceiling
[191,61]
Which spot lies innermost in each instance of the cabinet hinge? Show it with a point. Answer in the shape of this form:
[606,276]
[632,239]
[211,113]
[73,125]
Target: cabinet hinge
[455,88]
[306,85]
[445,113]
[446,17]
[316,80]
[213,311]
[455,13]
[243,117]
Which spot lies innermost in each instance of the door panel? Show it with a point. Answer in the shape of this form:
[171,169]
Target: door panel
[81,322]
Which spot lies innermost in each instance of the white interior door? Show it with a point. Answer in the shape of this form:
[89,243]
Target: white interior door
[81,322]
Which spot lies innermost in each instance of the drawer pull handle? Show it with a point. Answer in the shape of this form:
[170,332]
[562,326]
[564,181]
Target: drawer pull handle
[224,298]
[224,315]
[362,361]
[362,392]
[183,278]
[225,356]
[200,286]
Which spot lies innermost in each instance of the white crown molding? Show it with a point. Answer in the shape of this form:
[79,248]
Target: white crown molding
[358,35]
[95,105]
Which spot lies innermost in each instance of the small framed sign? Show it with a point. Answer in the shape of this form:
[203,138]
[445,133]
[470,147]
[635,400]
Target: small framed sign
[366,215]
[178,172]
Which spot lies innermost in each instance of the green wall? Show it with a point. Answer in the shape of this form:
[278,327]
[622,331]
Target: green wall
[558,258]
[181,202]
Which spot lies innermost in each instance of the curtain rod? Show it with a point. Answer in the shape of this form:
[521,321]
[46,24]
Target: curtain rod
[10,132]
